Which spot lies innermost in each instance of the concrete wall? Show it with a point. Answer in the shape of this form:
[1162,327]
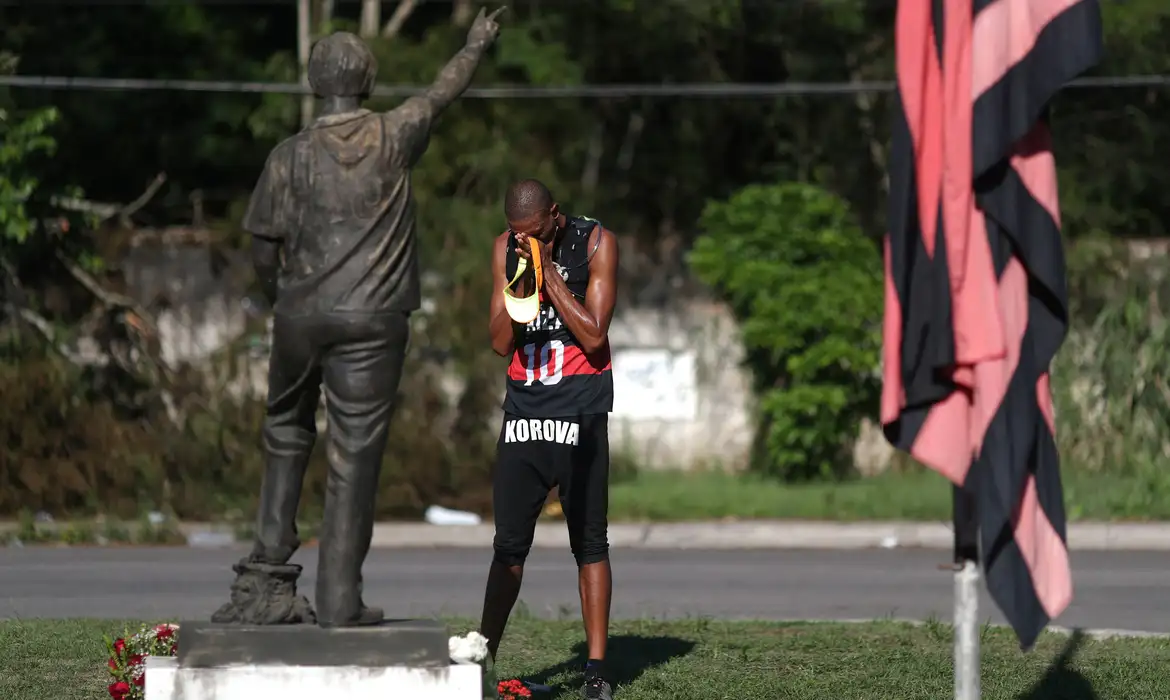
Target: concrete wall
[202,308]
[682,396]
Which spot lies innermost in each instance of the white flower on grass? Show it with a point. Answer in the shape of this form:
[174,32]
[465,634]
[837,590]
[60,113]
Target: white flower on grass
[471,648]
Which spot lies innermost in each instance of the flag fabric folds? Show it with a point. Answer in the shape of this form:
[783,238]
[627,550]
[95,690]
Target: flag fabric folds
[976,300]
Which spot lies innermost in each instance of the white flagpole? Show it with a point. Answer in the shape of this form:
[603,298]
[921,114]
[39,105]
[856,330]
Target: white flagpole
[967,631]
[966,568]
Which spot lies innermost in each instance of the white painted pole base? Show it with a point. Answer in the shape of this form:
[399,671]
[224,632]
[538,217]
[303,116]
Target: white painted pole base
[166,680]
[967,632]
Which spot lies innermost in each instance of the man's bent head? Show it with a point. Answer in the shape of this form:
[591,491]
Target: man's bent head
[341,65]
[530,209]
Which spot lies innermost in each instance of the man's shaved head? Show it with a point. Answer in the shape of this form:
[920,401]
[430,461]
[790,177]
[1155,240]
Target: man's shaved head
[525,199]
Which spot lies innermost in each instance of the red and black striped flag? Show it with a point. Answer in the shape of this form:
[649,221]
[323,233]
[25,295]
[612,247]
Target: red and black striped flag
[976,302]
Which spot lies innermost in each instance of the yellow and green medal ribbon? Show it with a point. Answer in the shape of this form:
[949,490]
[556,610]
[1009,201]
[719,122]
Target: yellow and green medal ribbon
[525,309]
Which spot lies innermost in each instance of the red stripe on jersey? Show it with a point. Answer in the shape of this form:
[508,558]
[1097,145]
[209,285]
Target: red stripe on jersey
[554,358]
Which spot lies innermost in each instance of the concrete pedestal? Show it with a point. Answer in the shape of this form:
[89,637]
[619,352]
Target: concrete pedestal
[166,680]
[406,659]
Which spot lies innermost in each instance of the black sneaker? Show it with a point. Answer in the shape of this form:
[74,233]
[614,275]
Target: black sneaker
[596,687]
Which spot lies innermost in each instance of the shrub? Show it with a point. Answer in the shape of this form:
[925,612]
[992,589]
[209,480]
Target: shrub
[63,452]
[806,287]
[69,452]
[1111,379]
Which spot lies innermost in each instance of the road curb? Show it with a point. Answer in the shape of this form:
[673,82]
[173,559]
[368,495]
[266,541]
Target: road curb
[773,535]
[758,534]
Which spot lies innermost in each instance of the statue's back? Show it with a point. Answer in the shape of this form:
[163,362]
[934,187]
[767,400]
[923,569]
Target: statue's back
[339,191]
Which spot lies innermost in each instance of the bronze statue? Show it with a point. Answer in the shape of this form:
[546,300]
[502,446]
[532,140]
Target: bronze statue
[332,224]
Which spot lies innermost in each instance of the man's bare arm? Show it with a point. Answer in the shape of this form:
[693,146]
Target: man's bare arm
[589,323]
[501,326]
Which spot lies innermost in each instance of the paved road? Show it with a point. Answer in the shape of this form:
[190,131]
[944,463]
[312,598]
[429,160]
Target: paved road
[1125,590]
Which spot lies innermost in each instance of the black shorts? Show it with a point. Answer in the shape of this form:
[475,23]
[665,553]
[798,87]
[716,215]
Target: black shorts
[532,457]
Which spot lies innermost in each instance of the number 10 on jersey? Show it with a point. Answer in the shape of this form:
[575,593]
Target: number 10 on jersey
[547,371]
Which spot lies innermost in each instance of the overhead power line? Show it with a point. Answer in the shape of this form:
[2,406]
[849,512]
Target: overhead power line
[695,90]
[292,3]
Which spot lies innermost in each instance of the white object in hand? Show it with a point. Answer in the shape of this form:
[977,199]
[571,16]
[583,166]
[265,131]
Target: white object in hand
[471,648]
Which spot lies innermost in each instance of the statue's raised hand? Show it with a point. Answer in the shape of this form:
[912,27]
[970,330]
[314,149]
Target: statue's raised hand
[485,29]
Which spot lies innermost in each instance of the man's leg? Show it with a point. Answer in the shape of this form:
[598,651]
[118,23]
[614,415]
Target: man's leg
[361,373]
[595,585]
[264,592]
[518,493]
[584,493]
[290,430]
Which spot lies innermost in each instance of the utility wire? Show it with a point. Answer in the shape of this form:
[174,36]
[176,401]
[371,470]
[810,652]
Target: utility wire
[697,90]
[292,3]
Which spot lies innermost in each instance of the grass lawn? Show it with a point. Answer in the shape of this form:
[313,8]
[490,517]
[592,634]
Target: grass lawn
[700,660]
[904,496]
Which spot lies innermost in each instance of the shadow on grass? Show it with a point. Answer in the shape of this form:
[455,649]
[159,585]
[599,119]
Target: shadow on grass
[1062,682]
[627,657]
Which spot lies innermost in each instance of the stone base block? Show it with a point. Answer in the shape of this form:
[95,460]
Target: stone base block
[167,680]
[407,643]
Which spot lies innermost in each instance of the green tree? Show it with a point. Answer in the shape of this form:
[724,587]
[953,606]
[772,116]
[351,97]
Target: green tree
[805,285]
[20,140]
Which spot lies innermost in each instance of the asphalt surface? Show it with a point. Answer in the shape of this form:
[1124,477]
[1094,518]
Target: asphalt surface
[1117,590]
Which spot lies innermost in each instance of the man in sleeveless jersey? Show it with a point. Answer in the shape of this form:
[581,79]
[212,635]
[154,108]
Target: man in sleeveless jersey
[557,404]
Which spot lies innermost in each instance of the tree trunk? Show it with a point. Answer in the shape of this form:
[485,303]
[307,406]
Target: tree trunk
[394,25]
[304,45]
[462,12]
[326,17]
[371,18]
[591,174]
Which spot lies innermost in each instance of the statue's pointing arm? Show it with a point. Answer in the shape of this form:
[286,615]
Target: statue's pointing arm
[413,118]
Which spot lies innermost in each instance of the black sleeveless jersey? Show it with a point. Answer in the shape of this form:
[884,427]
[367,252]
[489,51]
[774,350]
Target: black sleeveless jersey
[550,376]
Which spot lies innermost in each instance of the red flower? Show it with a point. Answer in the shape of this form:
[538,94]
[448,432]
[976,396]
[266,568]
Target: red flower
[119,690]
[164,632]
[512,689]
[119,646]
[113,664]
[140,680]
[135,660]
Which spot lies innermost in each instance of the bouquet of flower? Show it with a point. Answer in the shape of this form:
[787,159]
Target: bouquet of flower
[513,690]
[127,664]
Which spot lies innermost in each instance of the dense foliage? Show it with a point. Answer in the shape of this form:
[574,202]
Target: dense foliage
[139,434]
[806,287]
[1111,381]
